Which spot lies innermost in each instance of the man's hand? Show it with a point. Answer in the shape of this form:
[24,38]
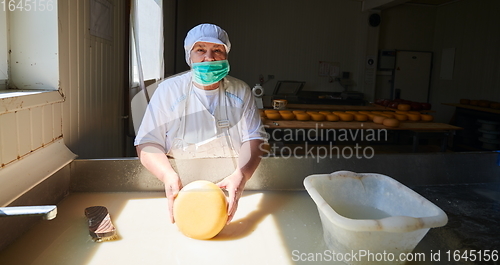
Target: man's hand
[234,184]
[173,185]
[153,158]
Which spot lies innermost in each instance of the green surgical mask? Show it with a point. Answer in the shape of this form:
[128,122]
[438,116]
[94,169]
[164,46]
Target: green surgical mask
[207,73]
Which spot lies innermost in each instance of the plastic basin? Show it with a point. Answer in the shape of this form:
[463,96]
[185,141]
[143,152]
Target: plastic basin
[371,217]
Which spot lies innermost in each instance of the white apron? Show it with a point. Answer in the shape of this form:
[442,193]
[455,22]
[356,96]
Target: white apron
[212,129]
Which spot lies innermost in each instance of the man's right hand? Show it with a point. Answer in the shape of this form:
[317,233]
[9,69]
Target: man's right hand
[173,185]
[153,158]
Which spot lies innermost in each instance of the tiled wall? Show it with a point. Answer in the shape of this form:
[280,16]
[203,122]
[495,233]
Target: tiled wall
[93,74]
[24,131]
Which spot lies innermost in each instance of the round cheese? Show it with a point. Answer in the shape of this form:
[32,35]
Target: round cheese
[379,119]
[391,122]
[302,116]
[426,117]
[273,116]
[332,117]
[200,210]
[317,116]
[401,117]
[388,115]
[413,117]
[404,107]
[346,116]
[360,117]
[288,116]
[270,111]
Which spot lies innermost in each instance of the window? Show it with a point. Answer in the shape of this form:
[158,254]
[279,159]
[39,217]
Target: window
[147,41]
[29,55]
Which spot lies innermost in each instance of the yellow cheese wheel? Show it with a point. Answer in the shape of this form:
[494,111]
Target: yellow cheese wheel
[404,107]
[391,122]
[364,112]
[273,116]
[303,116]
[298,111]
[413,117]
[325,112]
[200,210]
[346,116]
[379,119]
[426,117]
[388,115]
[270,111]
[351,112]
[317,116]
[332,117]
[401,117]
[287,116]
[337,112]
[360,117]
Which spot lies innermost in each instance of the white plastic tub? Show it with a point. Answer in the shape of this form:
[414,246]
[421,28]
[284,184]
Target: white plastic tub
[371,217]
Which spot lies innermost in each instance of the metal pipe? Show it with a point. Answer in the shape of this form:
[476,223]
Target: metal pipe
[48,212]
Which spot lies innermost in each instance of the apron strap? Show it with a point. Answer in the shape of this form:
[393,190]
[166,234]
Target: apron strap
[223,122]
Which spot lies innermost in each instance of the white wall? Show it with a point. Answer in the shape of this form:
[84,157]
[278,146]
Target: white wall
[404,27]
[469,26]
[33,48]
[472,28]
[408,27]
[27,130]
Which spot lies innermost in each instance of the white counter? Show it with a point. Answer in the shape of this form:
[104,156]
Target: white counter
[271,227]
[266,229]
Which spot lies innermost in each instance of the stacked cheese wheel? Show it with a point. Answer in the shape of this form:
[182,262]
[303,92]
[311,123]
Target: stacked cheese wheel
[481,103]
[387,118]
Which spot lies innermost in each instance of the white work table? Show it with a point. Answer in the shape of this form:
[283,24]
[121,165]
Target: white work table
[265,230]
[270,227]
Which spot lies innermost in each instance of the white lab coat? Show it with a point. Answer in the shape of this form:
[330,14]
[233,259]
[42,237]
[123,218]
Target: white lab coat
[173,106]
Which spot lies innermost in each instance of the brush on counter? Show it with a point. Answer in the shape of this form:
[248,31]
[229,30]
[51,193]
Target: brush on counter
[100,226]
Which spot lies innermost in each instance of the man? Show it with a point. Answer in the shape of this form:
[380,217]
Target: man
[202,113]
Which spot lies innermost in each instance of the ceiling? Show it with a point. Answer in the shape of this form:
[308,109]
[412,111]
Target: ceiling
[431,2]
[383,4]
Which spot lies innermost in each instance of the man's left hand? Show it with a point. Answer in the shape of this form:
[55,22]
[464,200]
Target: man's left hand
[234,184]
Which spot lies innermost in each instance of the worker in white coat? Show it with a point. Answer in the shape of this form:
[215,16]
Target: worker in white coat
[202,113]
